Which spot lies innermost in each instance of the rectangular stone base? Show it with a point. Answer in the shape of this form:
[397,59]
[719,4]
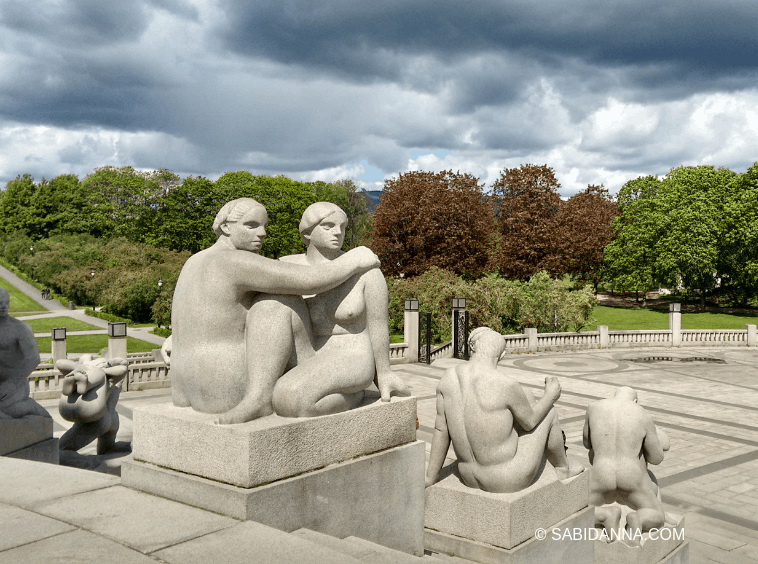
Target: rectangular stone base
[267,449]
[552,549]
[43,451]
[17,434]
[662,548]
[503,519]
[378,497]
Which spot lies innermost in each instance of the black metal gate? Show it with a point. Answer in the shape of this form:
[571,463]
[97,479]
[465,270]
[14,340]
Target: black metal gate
[425,337]
[460,334]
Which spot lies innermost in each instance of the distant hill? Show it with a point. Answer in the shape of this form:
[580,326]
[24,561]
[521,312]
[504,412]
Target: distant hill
[372,199]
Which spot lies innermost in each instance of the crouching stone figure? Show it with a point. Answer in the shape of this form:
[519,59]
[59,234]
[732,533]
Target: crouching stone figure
[501,435]
[622,439]
[89,395]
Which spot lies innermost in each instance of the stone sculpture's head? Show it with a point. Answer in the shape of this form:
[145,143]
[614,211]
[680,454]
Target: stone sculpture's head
[331,221]
[626,393]
[486,342]
[5,302]
[243,221]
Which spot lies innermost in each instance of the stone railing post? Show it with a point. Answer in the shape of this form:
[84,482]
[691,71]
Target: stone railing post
[675,324]
[116,340]
[751,335]
[58,343]
[410,330]
[531,332]
[605,341]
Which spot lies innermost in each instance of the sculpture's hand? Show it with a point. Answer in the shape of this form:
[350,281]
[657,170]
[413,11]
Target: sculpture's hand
[363,257]
[552,388]
[390,384]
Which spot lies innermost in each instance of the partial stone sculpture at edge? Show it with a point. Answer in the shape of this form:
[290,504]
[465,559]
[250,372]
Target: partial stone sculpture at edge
[246,343]
[512,476]
[26,428]
[622,440]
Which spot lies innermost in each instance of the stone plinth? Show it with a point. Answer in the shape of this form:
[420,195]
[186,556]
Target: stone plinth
[271,448]
[560,545]
[503,520]
[30,438]
[378,497]
[664,545]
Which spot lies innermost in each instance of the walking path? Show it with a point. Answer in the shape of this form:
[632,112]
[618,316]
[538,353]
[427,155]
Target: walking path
[55,309]
[708,406]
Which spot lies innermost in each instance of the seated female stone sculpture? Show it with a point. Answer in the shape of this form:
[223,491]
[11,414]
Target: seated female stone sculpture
[350,336]
[622,440]
[19,356]
[229,349]
[501,435]
[89,395]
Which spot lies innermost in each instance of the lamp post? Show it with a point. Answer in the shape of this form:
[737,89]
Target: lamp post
[160,282]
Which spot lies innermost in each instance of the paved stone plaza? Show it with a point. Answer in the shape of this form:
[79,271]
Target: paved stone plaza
[706,399]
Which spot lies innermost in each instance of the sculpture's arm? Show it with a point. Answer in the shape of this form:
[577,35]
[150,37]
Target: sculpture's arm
[376,296]
[261,274]
[28,347]
[586,432]
[440,443]
[526,415]
[663,438]
[651,446]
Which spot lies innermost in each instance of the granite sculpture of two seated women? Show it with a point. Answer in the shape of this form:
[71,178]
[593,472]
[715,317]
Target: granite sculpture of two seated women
[301,336]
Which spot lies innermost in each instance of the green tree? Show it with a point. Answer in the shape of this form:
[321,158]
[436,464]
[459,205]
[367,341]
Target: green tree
[16,210]
[630,256]
[527,206]
[125,201]
[427,219]
[738,257]
[691,203]
[185,218]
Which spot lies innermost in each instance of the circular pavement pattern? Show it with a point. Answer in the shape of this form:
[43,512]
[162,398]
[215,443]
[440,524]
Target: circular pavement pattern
[562,364]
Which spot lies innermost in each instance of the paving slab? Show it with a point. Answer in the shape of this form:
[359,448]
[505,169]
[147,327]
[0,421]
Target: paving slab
[80,547]
[20,527]
[252,542]
[142,521]
[28,484]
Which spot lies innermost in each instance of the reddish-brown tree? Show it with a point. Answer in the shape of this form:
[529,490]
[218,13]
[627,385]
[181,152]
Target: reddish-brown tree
[527,206]
[585,227]
[427,219]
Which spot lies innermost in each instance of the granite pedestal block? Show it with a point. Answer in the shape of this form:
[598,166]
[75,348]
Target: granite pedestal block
[560,544]
[357,473]
[378,497]
[267,449]
[664,545]
[503,520]
[30,438]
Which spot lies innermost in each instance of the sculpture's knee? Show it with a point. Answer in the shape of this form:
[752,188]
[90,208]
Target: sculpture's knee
[291,399]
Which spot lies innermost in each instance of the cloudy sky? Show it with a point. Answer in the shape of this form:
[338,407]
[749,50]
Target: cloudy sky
[600,90]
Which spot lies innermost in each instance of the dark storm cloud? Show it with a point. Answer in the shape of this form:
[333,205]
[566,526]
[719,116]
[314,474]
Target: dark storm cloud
[359,38]
[89,22]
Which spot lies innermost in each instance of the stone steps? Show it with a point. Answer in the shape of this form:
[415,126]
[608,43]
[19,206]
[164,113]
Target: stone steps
[368,552]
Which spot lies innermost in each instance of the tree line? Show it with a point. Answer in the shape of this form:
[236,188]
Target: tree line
[694,229]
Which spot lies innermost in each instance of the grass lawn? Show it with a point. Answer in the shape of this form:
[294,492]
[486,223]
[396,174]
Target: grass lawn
[45,325]
[19,301]
[625,319]
[397,338]
[94,343]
